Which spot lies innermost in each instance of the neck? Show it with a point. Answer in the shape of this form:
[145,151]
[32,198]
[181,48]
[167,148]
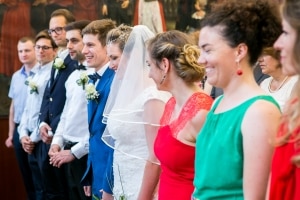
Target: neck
[29,66]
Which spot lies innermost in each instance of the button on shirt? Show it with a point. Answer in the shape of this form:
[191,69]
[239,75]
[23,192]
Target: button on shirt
[18,91]
[73,124]
[29,120]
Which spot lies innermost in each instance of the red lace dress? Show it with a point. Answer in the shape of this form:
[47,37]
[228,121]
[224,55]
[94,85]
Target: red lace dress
[177,158]
[285,176]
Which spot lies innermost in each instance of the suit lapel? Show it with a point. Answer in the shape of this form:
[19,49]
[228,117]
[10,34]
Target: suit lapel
[93,106]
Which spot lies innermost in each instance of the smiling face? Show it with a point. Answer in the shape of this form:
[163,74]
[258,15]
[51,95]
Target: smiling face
[285,44]
[216,56]
[95,54]
[75,44]
[114,53]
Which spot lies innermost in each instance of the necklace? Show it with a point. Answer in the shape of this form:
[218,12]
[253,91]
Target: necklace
[280,86]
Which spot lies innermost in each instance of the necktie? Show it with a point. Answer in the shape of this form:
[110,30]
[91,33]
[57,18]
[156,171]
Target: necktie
[79,67]
[94,77]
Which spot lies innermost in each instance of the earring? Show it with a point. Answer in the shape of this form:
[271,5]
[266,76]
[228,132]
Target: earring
[239,71]
[163,79]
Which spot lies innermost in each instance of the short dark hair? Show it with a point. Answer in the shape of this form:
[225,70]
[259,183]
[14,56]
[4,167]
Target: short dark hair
[77,25]
[101,28]
[65,13]
[44,34]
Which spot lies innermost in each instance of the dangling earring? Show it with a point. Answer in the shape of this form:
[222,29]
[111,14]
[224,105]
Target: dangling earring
[239,71]
[163,79]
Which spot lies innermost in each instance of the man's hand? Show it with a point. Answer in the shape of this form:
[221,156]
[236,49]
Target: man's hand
[9,142]
[107,196]
[44,130]
[53,149]
[87,190]
[27,144]
[61,157]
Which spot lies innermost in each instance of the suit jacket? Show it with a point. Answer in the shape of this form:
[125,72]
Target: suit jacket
[99,167]
[55,94]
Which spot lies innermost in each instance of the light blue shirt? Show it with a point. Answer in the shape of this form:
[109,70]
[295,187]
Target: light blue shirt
[18,91]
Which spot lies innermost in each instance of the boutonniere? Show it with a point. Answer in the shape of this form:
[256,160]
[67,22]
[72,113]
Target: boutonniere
[32,85]
[83,79]
[91,93]
[59,63]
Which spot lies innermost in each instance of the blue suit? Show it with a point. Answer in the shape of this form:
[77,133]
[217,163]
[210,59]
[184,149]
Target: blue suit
[52,106]
[99,167]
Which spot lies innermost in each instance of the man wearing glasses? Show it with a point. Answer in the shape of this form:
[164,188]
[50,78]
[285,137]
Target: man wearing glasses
[45,51]
[53,104]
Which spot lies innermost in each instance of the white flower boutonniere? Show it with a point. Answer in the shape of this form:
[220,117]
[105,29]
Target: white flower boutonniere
[91,93]
[32,85]
[59,63]
[83,79]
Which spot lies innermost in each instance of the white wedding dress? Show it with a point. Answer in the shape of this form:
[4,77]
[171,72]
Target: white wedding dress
[130,146]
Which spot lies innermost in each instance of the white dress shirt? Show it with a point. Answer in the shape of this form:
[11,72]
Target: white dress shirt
[29,119]
[73,124]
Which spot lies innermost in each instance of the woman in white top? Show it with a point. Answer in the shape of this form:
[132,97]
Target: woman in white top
[278,85]
[132,114]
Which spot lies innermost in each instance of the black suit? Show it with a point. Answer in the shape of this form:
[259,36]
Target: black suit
[51,109]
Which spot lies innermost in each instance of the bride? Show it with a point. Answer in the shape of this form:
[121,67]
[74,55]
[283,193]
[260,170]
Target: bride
[132,114]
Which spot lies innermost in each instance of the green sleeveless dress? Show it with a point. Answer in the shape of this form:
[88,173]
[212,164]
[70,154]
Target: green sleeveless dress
[219,153]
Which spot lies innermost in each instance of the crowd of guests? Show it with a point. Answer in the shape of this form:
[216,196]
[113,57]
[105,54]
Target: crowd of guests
[107,111]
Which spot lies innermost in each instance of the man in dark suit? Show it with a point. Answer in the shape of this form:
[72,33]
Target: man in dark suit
[120,11]
[98,175]
[53,104]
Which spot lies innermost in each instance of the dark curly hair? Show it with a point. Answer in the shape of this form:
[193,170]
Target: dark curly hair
[256,23]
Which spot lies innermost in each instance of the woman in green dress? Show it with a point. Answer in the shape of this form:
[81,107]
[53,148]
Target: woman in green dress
[233,152]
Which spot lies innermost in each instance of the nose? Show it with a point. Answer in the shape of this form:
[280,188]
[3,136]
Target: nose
[261,59]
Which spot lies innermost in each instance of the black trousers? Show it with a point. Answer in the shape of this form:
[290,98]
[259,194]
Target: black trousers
[74,172]
[52,178]
[22,160]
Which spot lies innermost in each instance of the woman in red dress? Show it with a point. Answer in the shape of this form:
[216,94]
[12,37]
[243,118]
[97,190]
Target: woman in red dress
[285,174]
[174,68]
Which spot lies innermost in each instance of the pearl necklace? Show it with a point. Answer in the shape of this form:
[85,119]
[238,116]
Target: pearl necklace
[280,86]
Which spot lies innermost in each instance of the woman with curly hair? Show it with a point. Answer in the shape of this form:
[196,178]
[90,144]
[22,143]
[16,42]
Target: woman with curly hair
[173,66]
[285,173]
[233,153]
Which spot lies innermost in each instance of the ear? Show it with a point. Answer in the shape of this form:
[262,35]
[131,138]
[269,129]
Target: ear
[241,52]
[165,65]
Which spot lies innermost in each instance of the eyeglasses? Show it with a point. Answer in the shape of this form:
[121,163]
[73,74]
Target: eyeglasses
[44,48]
[57,30]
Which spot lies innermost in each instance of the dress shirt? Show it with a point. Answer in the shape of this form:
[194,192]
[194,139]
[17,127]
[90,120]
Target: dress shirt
[101,71]
[29,120]
[73,124]
[18,91]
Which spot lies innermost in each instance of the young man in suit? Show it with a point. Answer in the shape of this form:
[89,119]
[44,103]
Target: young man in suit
[45,50]
[69,147]
[18,95]
[98,175]
[53,104]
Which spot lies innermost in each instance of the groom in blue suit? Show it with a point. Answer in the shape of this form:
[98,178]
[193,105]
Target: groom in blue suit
[97,180]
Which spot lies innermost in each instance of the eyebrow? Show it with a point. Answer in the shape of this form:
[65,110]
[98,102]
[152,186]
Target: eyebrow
[204,45]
